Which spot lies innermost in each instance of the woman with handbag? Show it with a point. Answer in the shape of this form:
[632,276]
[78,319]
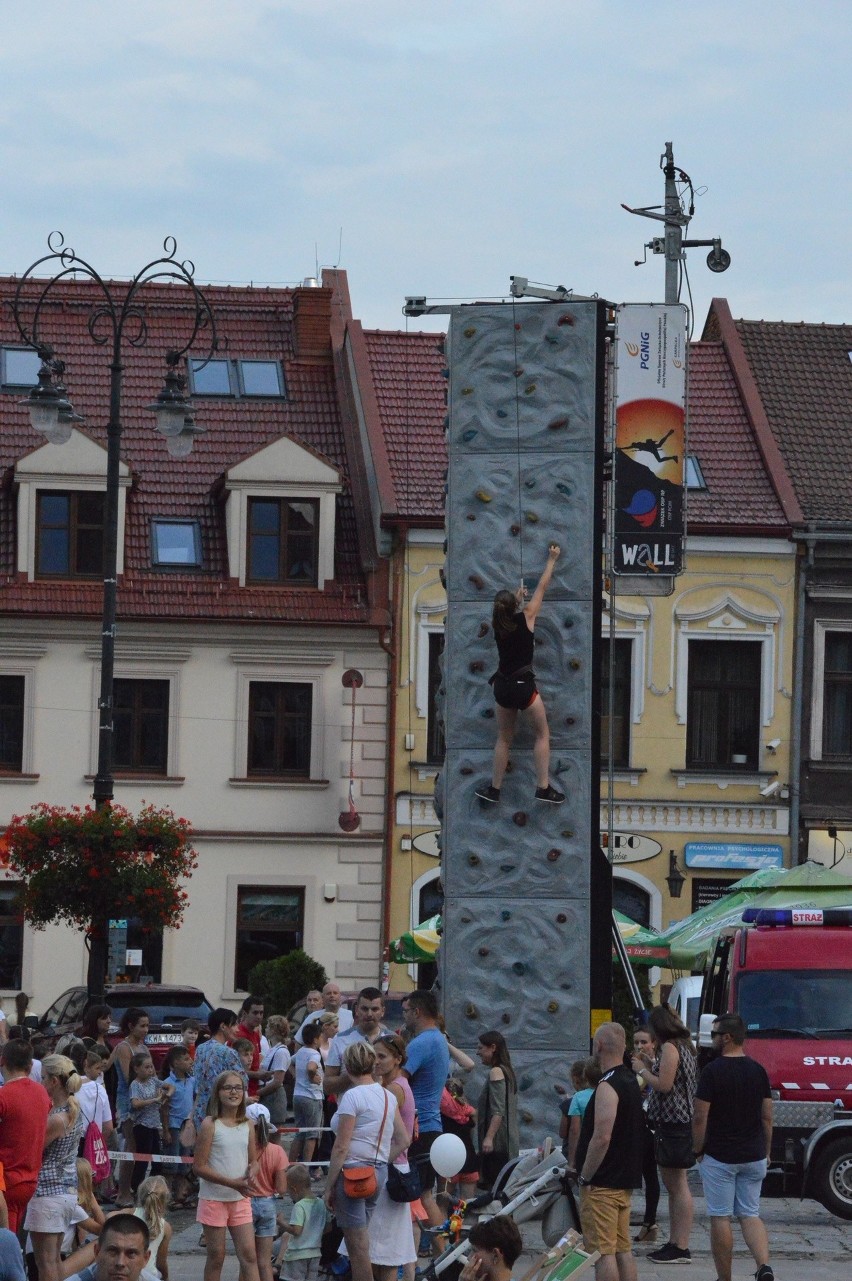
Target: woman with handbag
[673,1078]
[368,1134]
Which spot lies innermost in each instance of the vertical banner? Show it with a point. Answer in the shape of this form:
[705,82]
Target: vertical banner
[650,438]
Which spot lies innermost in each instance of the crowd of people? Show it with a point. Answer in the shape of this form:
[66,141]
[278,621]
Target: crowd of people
[98,1145]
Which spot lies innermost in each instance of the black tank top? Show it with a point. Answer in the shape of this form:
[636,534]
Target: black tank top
[516,648]
[622,1163]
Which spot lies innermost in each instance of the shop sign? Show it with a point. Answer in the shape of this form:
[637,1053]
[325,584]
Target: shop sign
[427,843]
[727,854]
[629,847]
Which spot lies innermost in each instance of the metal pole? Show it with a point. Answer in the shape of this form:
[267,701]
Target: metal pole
[104,786]
[674,230]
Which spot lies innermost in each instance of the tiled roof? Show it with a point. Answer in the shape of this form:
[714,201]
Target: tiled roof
[804,376]
[739,491]
[255,323]
[409,387]
[406,372]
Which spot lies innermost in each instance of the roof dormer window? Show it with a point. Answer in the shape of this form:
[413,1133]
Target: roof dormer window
[19,367]
[237,378]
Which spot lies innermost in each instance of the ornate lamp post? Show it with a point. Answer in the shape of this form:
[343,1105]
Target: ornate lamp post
[117,318]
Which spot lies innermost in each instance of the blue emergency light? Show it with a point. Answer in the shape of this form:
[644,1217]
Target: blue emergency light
[797,916]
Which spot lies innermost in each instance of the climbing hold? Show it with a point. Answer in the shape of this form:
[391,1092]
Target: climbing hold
[445,547]
[474,860]
[446,421]
[557,424]
[568,834]
[517,324]
[569,622]
[566,319]
[575,664]
[466,769]
[530,484]
[527,1118]
[477,666]
[570,720]
[465,920]
[561,918]
[529,389]
[553,855]
[519,818]
[471,516]
[507,867]
[551,338]
[483,630]
[488,714]
[471,1011]
[505,915]
[514,530]
[518,968]
[468,435]
[507,1018]
[483,496]
[470,331]
[477,581]
[502,413]
[526,1082]
[532,518]
[445,373]
[467,391]
[564,489]
[519,373]
[484,951]
[552,1007]
[442,577]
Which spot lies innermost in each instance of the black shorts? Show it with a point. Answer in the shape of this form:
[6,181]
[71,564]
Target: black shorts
[516,692]
[418,1157]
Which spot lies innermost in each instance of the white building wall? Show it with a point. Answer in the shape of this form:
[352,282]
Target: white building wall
[246,832]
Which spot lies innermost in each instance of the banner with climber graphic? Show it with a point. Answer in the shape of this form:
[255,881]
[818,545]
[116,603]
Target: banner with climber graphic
[650,438]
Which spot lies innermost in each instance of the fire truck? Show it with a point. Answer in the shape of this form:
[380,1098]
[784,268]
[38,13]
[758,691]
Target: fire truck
[788,974]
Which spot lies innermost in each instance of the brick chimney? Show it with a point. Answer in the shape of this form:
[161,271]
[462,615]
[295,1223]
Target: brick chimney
[312,324]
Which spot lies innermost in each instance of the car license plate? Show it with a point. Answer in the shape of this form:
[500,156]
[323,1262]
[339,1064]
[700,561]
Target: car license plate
[163,1038]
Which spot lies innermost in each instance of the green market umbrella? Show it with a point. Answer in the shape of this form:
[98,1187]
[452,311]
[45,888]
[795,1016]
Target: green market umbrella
[417,944]
[642,945]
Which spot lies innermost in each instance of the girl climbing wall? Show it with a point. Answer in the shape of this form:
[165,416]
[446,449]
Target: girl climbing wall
[514,685]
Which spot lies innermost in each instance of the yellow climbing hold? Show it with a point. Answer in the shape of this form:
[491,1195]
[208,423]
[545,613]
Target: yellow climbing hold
[484,497]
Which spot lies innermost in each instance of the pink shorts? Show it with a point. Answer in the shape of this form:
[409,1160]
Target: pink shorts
[223,1214]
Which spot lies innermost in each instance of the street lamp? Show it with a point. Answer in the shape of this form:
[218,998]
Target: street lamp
[116,317]
[675,879]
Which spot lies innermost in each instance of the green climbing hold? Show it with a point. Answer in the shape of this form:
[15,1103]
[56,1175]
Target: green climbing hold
[468,435]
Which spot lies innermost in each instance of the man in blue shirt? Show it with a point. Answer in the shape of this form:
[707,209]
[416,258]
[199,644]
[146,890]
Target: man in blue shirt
[427,1066]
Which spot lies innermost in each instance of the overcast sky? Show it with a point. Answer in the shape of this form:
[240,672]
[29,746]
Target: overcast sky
[435,148]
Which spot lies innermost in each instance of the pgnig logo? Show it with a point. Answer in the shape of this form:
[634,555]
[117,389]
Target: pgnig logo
[641,349]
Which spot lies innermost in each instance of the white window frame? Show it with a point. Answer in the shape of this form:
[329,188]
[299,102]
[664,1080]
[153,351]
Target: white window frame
[21,660]
[281,674]
[821,627]
[727,620]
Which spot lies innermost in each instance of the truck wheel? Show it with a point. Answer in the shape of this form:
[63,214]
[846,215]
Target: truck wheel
[832,1178]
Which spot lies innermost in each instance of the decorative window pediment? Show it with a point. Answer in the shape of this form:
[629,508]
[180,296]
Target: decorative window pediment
[284,470]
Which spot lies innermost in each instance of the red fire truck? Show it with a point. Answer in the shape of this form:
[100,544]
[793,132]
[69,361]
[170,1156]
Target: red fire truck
[788,974]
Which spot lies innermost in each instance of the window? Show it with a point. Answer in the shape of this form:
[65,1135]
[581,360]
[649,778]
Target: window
[141,725]
[282,540]
[19,367]
[70,534]
[837,696]
[11,936]
[236,378]
[279,729]
[12,723]
[270,923]
[434,725]
[176,542]
[723,704]
[694,474]
[619,702]
[631,900]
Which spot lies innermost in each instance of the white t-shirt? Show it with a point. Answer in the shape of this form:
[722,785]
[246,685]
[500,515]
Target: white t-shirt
[275,1059]
[367,1104]
[94,1104]
[344,1021]
[304,1087]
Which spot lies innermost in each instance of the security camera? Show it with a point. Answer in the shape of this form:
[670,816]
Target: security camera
[770,789]
[774,744]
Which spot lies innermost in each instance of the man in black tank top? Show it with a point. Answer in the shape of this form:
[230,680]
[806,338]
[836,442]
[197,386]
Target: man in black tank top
[609,1158]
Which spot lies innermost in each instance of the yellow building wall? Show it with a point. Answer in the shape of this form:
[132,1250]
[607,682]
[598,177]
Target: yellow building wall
[732,588]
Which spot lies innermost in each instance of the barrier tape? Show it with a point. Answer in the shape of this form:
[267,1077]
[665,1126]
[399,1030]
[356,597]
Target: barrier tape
[164,1159]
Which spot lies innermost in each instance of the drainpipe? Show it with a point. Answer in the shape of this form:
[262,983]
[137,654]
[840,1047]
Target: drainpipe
[798,677]
[391,648]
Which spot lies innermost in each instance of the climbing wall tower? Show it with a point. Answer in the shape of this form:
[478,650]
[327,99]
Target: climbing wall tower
[526,395]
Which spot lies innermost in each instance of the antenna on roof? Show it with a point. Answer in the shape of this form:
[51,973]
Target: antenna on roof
[677,219]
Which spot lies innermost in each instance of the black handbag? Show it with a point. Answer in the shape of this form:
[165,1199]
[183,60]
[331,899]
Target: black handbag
[673,1146]
[403,1185]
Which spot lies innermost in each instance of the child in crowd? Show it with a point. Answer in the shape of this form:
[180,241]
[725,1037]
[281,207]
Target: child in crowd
[89,1218]
[459,1118]
[147,1096]
[245,1049]
[585,1074]
[270,1180]
[299,1260]
[92,1096]
[151,1201]
[175,1113]
[307,1094]
[189,1031]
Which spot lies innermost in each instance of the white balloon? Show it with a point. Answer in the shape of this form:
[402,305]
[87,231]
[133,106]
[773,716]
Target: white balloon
[447,1155]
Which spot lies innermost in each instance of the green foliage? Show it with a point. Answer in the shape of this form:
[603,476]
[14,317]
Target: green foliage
[83,866]
[285,980]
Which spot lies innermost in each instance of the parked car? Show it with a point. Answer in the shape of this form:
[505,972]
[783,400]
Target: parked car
[167,1005]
